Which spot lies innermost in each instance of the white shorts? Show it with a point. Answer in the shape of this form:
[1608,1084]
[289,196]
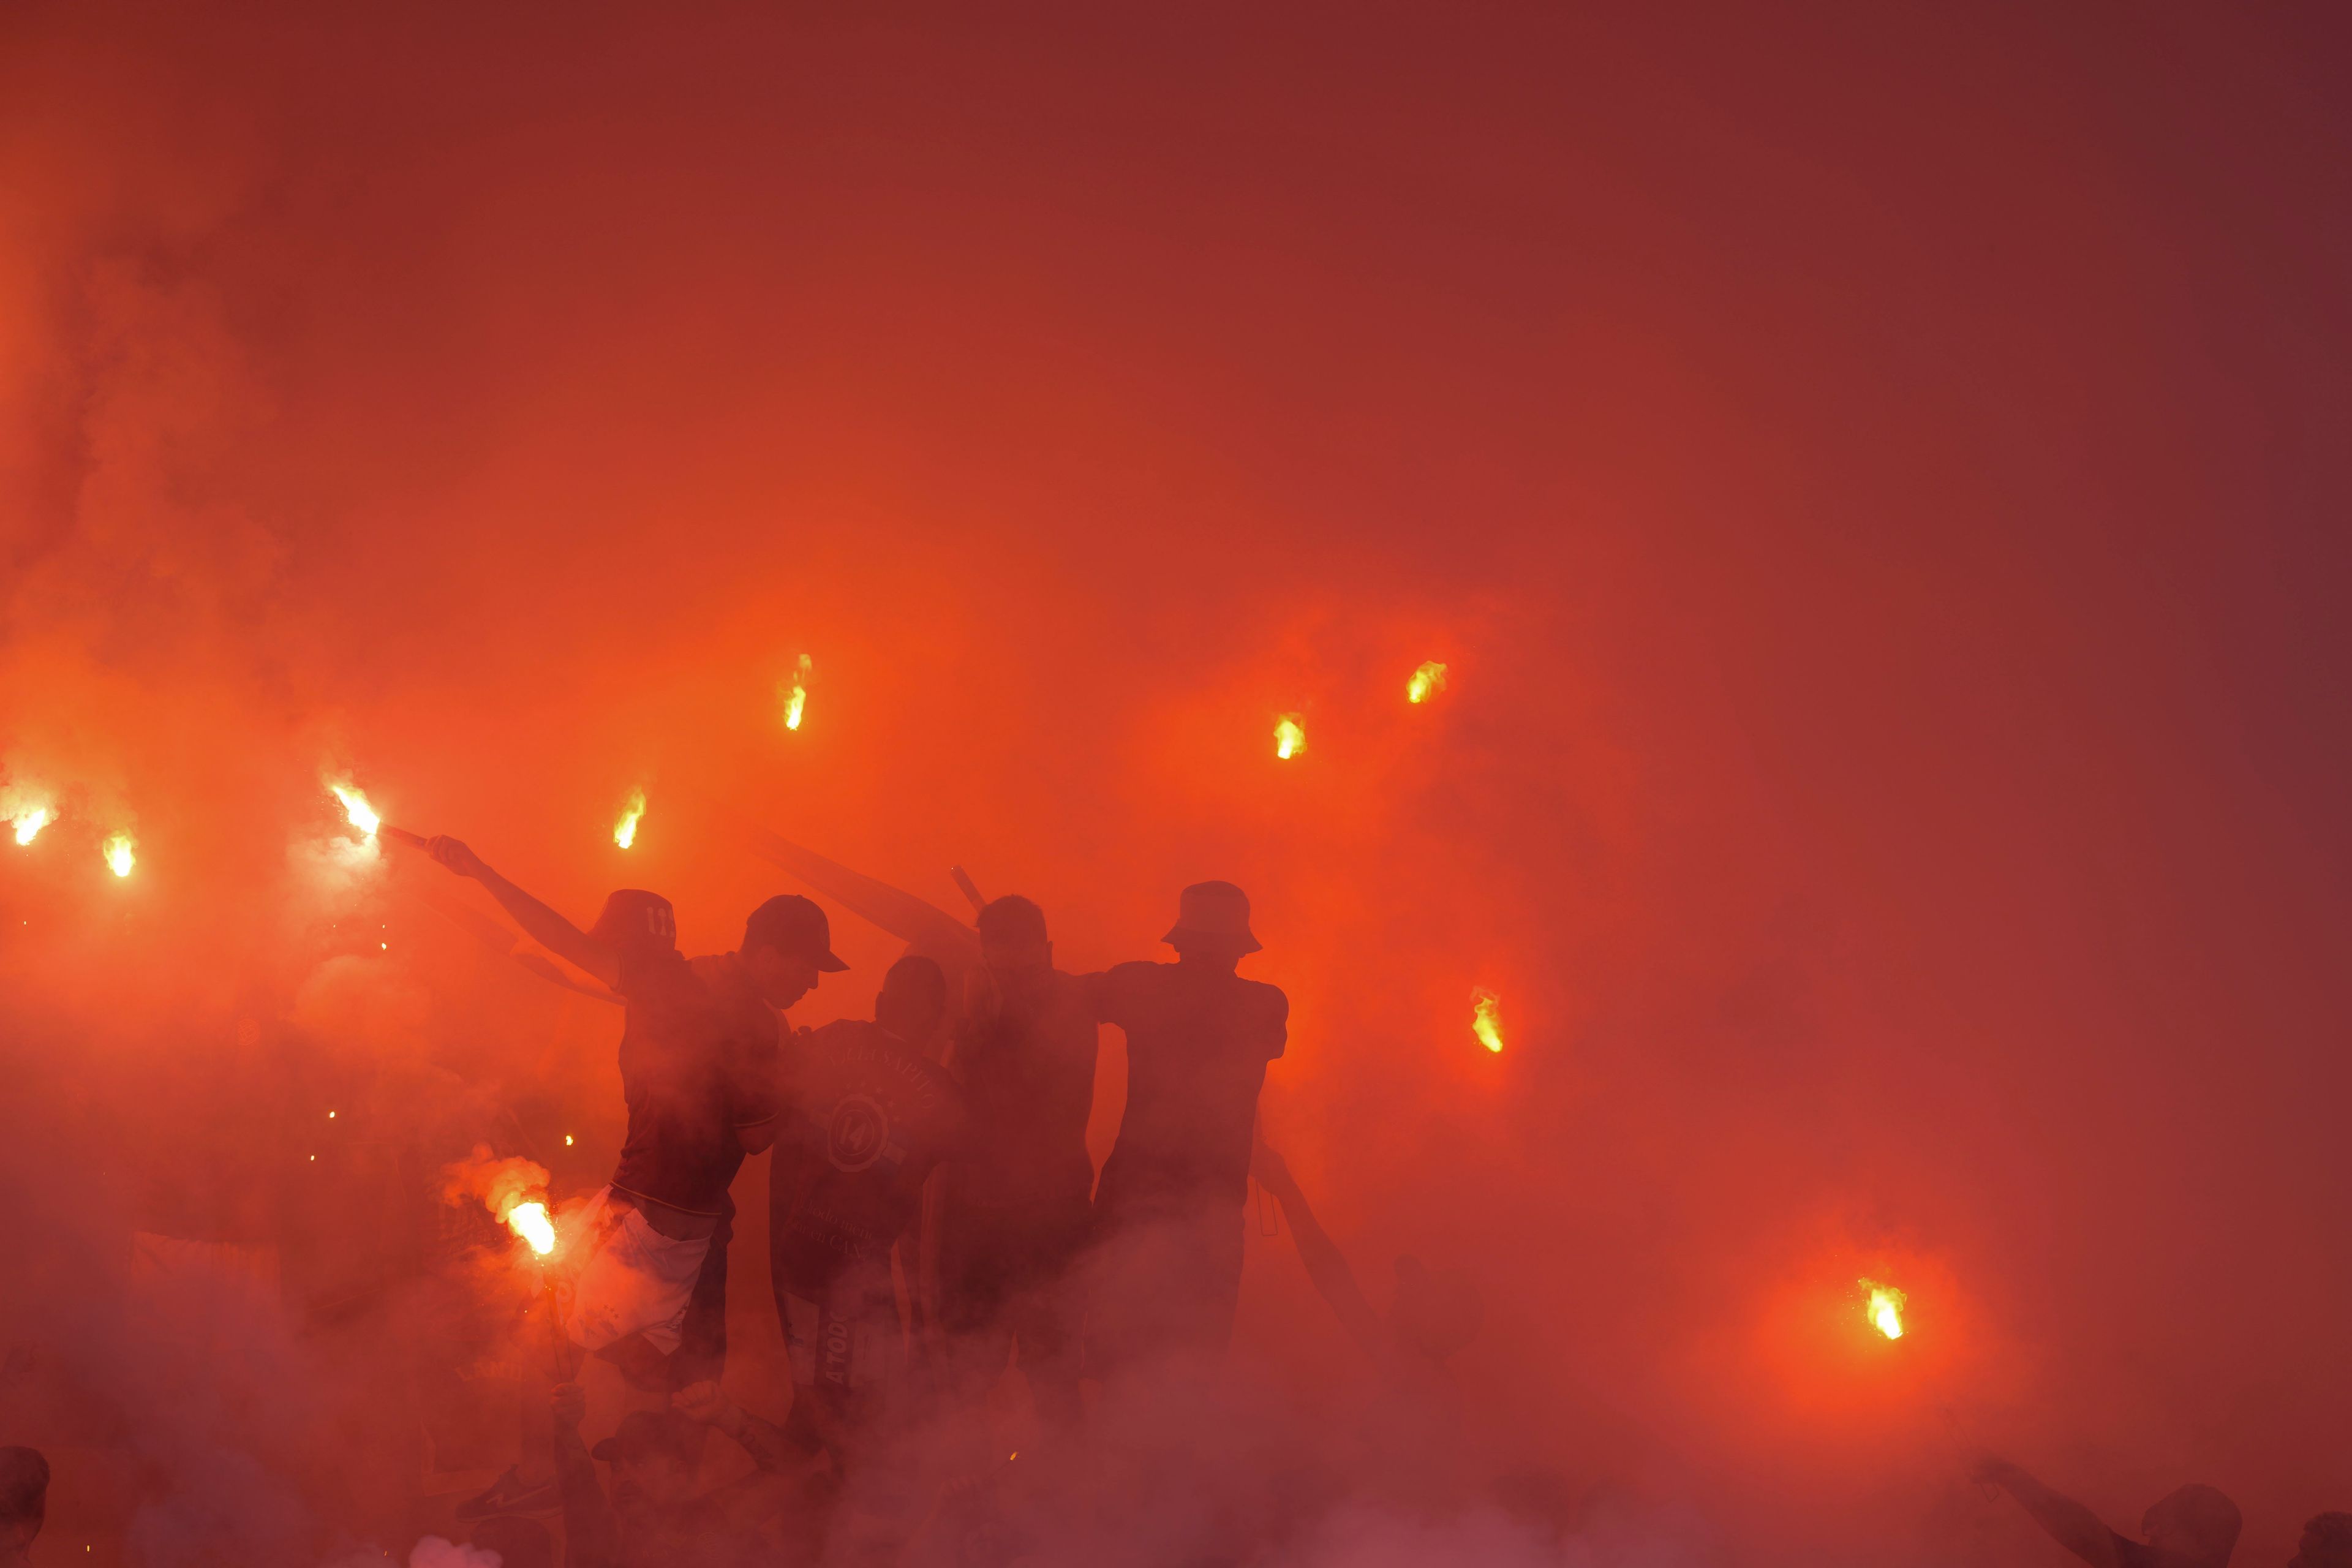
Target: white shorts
[626,1276]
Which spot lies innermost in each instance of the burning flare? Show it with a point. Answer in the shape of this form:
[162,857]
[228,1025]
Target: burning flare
[1425,683]
[30,822]
[515,1190]
[796,701]
[1886,1310]
[356,807]
[119,858]
[625,832]
[1487,1018]
[530,1222]
[1289,737]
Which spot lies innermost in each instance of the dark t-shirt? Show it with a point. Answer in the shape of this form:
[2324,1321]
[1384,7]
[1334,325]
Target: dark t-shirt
[1028,1079]
[697,1055]
[868,1119]
[1198,1042]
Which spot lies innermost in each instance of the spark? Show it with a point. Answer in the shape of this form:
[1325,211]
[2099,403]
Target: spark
[1487,1018]
[625,832]
[1425,682]
[1289,737]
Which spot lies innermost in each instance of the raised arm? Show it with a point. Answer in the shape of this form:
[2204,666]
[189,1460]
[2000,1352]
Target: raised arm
[541,924]
[1327,1266]
[2070,1523]
[930,930]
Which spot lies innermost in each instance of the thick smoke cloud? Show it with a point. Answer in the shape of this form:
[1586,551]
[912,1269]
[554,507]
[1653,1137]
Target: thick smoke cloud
[1874,484]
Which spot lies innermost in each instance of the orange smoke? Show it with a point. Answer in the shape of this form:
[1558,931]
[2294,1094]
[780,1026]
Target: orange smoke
[1425,682]
[1289,737]
[625,832]
[119,856]
[355,806]
[1487,1018]
[1886,1309]
[796,701]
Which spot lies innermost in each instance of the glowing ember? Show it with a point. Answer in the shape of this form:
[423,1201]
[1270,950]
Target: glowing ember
[1290,738]
[797,703]
[1886,1309]
[625,832]
[1426,682]
[529,1222]
[31,822]
[356,807]
[119,858]
[1487,1018]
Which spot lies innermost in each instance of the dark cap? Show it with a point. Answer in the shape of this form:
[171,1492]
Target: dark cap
[637,922]
[1215,912]
[794,926]
[654,1434]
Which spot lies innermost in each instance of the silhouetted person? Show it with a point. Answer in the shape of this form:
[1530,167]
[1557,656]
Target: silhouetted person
[24,1503]
[2190,1526]
[869,1116]
[2327,1543]
[1168,1210]
[654,1518]
[1014,1211]
[697,1048]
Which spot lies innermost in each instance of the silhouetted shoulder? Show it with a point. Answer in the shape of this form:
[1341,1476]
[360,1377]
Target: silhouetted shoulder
[1265,1014]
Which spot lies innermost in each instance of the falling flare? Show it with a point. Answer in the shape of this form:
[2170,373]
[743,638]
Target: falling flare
[1487,1018]
[625,832]
[31,823]
[1289,737]
[119,856]
[1886,1310]
[355,806]
[797,703]
[530,1221]
[1425,683]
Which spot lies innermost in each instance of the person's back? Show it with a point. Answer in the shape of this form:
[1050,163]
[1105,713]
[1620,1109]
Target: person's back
[1198,1039]
[1168,1208]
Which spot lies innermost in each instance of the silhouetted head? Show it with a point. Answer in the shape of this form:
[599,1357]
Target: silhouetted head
[1437,1311]
[787,944]
[914,999]
[23,1497]
[636,925]
[1012,942]
[1213,925]
[2327,1543]
[519,1543]
[2195,1523]
[655,1457]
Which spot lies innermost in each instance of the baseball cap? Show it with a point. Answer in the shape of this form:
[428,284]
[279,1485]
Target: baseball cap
[795,925]
[636,922]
